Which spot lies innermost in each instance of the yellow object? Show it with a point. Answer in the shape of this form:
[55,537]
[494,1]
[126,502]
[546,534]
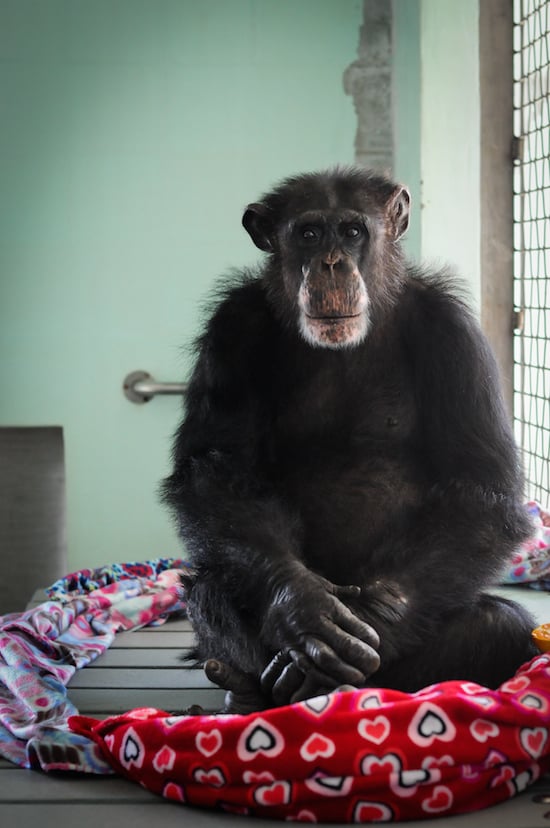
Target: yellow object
[541,637]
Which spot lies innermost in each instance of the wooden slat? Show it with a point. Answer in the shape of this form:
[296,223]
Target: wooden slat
[119,701]
[176,623]
[100,810]
[158,678]
[163,637]
[135,657]
[154,812]
[19,785]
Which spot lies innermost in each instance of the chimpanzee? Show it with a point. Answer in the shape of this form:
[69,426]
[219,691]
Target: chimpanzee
[345,478]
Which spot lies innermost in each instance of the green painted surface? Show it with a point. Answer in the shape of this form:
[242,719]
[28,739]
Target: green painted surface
[407,96]
[133,134]
[450,137]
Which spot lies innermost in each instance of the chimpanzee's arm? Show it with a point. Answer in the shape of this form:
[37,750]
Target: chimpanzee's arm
[474,514]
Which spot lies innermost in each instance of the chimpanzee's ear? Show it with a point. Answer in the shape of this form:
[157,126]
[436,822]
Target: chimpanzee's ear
[397,212]
[258,223]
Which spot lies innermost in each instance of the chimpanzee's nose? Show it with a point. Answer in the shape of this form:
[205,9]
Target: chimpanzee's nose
[332,258]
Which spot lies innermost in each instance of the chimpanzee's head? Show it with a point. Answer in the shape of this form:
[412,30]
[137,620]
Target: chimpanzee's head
[332,238]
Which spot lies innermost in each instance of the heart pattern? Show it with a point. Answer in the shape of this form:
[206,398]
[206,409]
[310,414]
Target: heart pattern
[372,812]
[173,791]
[369,701]
[470,688]
[402,781]
[318,705]
[505,775]
[374,730]
[521,782]
[369,755]
[251,777]
[278,793]
[316,747]
[330,786]
[516,684]
[132,750]
[483,730]
[413,778]
[494,758]
[164,759]
[435,762]
[213,777]
[440,800]
[209,743]
[534,702]
[372,764]
[429,724]
[533,740]
[485,702]
[259,738]
[303,816]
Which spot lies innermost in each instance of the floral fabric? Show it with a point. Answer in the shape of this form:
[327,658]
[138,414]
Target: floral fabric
[531,562]
[41,649]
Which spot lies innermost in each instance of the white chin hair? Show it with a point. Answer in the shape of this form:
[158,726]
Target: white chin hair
[346,332]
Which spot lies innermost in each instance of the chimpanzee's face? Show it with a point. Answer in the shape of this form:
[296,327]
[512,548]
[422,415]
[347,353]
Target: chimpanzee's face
[322,255]
[331,238]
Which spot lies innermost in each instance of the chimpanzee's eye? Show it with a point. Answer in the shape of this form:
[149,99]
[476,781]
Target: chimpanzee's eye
[352,231]
[310,233]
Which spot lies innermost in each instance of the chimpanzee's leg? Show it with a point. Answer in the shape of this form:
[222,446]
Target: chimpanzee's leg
[485,643]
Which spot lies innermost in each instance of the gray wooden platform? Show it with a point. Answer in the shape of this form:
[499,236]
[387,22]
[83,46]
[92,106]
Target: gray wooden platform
[144,669]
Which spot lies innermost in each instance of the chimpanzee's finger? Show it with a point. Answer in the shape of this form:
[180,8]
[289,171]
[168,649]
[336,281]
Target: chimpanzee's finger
[311,686]
[288,683]
[331,663]
[229,678]
[273,671]
[298,679]
[243,691]
[350,649]
[346,619]
[346,590]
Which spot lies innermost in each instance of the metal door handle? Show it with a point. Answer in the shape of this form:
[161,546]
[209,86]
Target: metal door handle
[140,387]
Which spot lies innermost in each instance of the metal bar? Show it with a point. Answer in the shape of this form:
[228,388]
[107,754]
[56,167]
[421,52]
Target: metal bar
[140,387]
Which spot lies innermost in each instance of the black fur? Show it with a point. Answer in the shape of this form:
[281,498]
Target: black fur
[385,462]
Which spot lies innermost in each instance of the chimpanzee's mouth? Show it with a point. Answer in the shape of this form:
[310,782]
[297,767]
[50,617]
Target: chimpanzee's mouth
[334,331]
[340,318]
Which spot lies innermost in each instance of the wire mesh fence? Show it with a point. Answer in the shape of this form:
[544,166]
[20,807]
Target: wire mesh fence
[532,241]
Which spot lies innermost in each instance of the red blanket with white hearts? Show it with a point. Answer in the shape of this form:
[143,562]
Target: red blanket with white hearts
[368,755]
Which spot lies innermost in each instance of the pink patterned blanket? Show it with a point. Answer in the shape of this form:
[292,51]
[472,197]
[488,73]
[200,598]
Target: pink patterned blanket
[41,649]
[369,755]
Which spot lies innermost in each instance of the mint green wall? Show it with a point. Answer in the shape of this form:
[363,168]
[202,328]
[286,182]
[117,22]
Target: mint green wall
[437,130]
[133,133]
[450,136]
[407,120]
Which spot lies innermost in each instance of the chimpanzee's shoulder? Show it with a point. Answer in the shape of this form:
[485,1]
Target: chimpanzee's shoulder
[438,322]
[437,300]
[237,310]
[235,348]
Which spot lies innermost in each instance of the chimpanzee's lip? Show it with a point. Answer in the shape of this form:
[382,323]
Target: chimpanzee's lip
[334,318]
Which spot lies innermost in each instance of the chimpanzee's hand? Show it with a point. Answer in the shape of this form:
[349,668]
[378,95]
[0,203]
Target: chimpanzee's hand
[243,691]
[320,642]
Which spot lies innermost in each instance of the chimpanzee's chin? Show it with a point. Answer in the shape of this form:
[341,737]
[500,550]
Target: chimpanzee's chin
[335,332]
